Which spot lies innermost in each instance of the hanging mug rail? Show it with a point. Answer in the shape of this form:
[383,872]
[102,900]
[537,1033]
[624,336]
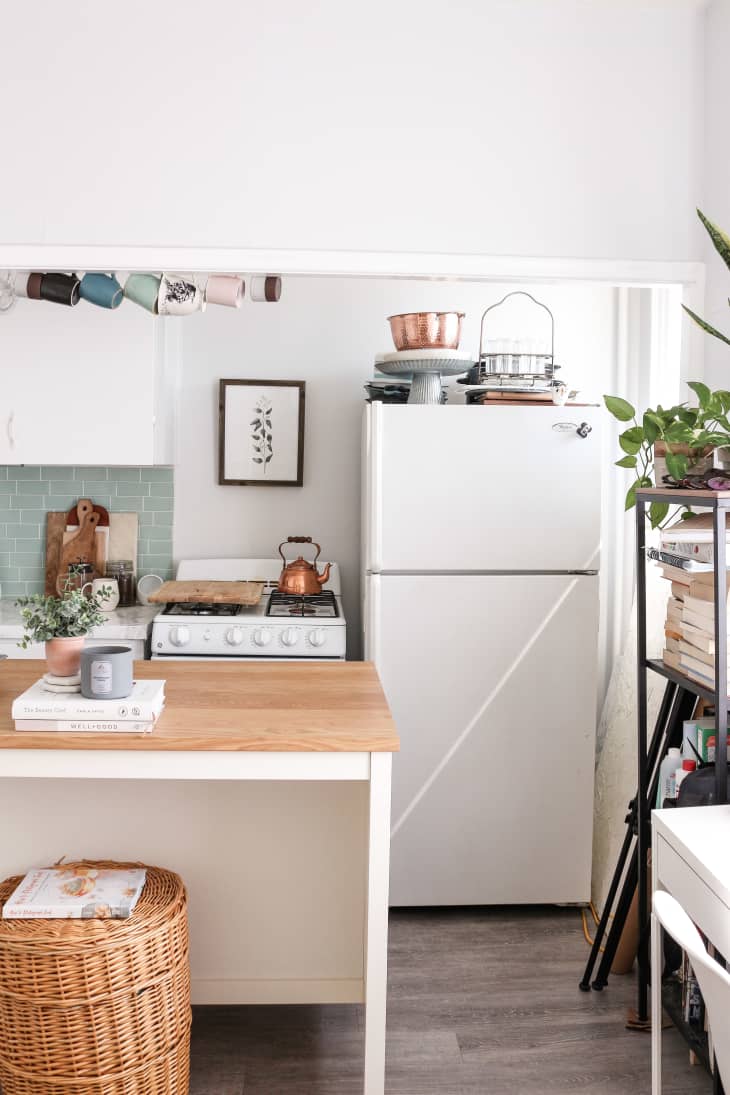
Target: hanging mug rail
[158,293]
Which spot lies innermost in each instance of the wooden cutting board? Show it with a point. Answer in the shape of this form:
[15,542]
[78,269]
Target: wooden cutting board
[230,593]
[118,541]
[55,528]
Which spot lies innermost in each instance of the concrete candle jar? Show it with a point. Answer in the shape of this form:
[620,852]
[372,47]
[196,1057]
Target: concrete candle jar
[106,673]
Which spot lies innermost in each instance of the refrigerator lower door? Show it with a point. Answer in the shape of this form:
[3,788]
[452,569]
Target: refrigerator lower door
[492,684]
[481,488]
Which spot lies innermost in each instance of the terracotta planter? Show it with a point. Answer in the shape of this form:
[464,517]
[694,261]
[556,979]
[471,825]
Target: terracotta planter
[63,656]
[700,460]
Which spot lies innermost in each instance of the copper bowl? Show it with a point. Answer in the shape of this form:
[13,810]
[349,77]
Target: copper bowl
[426,330]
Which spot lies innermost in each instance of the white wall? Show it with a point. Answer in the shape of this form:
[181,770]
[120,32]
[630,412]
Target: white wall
[716,186]
[327,332]
[525,127]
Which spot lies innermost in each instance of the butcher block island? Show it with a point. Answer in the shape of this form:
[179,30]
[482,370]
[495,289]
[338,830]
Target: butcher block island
[267,786]
[273,707]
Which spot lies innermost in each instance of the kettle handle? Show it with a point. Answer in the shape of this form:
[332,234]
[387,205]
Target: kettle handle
[298,540]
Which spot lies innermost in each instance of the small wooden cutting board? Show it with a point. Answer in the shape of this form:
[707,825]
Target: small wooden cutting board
[230,593]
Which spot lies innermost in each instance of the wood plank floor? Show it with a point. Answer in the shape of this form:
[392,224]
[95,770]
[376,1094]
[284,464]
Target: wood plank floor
[480,1003]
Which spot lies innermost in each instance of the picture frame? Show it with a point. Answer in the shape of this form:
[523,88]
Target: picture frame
[261,433]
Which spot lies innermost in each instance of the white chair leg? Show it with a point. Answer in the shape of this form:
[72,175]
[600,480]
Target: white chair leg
[657,965]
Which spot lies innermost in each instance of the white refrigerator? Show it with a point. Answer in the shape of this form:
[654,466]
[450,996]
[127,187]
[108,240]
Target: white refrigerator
[481,536]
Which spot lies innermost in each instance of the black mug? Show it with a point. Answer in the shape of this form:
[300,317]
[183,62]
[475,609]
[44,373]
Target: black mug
[60,288]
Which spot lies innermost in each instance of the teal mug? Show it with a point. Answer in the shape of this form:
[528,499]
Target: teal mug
[101,289]
[143,289]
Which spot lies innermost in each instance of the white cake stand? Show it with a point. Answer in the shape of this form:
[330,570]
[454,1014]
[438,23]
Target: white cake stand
[425,368]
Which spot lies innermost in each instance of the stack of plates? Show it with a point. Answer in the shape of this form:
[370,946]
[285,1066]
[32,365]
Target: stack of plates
[381,390]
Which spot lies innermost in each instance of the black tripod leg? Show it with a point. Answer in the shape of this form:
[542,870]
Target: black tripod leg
[585,984]
[622,911]
[663,719]
[682,706]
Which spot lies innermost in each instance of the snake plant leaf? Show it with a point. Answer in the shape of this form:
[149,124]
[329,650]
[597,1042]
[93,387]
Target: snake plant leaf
[706,326]
[619,408]
[720,241]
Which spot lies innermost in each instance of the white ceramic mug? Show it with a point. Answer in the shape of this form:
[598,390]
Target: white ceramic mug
[101,585]
[179,296]
[147,584]
[266,288]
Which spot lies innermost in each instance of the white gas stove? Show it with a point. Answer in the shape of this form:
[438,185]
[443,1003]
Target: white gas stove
[279,626]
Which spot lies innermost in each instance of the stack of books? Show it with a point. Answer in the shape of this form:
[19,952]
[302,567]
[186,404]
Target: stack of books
[39,710]
[686,560]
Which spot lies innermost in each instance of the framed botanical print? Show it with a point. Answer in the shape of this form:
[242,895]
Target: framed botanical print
[261,433]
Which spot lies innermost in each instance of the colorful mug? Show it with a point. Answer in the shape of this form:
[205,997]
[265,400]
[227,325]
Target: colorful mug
[143,289]
[101,289]
[225,289]
[33,286]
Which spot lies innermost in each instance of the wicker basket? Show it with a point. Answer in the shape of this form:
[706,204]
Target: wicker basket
[98,1007]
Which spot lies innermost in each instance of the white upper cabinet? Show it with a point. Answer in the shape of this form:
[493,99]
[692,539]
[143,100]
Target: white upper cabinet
[86,386]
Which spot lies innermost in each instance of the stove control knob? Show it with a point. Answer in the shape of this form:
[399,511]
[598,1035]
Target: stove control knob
[179,636]
[234,636]
[262,636]
[317,637]
[289,636]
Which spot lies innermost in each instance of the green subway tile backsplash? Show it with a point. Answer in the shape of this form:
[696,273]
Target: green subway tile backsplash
[28,493]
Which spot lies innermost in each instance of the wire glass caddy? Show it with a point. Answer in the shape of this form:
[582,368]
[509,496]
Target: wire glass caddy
[510,367]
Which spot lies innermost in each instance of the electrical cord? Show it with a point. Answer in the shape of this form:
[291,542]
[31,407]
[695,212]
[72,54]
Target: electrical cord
[584,920]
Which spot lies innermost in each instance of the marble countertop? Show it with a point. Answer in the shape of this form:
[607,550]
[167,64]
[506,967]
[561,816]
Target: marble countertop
[122,623]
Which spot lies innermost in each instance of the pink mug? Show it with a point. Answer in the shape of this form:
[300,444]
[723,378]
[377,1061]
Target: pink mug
[225,289]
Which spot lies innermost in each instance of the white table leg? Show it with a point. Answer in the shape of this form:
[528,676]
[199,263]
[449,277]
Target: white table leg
[657,964]
[376,922]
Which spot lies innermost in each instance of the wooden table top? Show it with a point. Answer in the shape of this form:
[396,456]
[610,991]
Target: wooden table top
[234,706]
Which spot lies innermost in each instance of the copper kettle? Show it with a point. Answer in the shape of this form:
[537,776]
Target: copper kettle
[300,577]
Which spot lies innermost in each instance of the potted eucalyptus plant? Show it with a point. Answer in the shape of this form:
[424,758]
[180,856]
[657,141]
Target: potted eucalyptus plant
[62,623]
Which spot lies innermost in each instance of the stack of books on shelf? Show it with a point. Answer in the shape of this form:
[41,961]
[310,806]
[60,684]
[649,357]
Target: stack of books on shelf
[39,710]
[685,556]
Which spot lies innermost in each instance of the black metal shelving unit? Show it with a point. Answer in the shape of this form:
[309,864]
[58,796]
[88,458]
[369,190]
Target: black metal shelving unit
[679,700]
[719,504]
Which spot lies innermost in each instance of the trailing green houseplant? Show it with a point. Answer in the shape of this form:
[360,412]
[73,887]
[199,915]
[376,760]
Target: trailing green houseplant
[685,434]
[61,622]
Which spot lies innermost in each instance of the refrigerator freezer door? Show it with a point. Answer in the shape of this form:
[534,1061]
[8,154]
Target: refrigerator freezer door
[492,684]
[481,488]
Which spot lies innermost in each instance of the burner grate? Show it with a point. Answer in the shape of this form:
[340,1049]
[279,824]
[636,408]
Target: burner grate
[322,604]
[193,608]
